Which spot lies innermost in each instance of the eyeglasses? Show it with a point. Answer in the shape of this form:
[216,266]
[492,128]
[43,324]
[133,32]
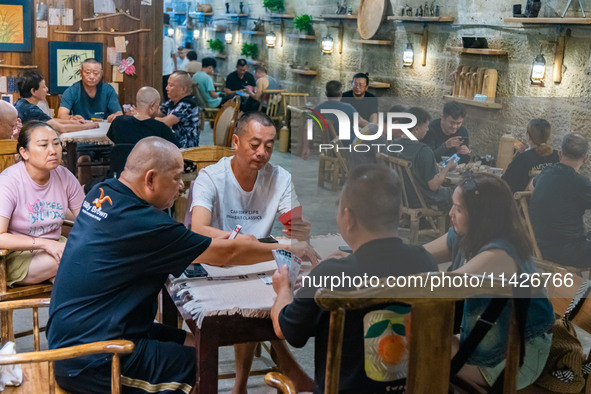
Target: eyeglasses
[359,85]
[468,182]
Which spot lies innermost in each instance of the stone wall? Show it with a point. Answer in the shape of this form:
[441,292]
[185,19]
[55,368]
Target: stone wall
[565,105]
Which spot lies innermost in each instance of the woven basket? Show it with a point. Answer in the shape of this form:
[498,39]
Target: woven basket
[204,156]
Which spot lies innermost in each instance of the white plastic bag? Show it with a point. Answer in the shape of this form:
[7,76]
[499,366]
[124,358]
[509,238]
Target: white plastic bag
[10,375]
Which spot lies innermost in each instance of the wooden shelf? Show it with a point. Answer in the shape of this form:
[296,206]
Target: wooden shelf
[436,19]
[282,16]
[552,21]
[253,33]
[339,16]
[217,28]
[467,101]
[301,36]
[478,51]
[374,42]
[253,62]
[222,57]
[304,72]
[17,66]
[379,85]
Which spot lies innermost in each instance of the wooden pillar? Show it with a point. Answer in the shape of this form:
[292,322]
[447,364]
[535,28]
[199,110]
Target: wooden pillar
[424,42]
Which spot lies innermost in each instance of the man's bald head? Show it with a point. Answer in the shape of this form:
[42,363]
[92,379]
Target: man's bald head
[8,119]
[146,96]
[152,153]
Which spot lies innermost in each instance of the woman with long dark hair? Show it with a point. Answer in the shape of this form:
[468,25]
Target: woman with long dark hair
[488,237]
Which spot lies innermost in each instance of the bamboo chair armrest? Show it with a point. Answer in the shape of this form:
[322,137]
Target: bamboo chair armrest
[4,252]
[280,382]
[68,223]
[113,347]
[24,304]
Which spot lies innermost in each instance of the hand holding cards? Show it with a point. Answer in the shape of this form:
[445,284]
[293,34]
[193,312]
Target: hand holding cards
[295,225]
[284,257]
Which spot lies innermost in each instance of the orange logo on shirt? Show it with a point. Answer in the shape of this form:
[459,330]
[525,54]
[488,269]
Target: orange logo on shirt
[99,201]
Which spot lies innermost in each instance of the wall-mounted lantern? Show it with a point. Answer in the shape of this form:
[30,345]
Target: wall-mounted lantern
[327,45]
[271,39]
[408,56]
[538,70]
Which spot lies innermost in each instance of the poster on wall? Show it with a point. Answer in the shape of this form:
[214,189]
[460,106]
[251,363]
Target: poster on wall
[104,7]
[16,25]
[65,59]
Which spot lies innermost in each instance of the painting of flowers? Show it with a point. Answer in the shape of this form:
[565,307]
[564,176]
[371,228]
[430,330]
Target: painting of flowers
[16,22]
[65,60]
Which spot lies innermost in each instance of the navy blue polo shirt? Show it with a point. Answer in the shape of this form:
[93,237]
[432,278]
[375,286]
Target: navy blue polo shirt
[117,258]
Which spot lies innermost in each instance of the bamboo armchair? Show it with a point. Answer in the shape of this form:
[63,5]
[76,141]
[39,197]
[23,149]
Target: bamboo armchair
[37,366]
[430,335]
[436,219]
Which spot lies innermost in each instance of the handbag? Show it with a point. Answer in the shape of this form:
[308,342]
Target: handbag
[565,366]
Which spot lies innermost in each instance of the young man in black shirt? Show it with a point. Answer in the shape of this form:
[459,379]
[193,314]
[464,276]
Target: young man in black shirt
[238,80]
[447,136]
[364,102]
[367,218]
[120,252]
[558,203]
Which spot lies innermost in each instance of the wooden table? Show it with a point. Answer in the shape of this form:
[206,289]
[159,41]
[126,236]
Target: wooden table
[215,331]
[228,325]
[93,136]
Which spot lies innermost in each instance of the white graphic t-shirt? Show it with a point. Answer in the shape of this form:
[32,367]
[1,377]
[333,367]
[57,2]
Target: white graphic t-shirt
[217,190]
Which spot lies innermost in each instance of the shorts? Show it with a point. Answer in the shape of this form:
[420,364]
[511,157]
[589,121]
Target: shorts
[18,263]
[159,363]
[536,353]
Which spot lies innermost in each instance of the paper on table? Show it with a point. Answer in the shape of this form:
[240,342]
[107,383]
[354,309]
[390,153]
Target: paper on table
[236,270]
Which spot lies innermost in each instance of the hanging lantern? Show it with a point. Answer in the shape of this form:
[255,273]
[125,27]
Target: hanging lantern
[408,56]
[228,37]
[538,70]
[196,34]
[170,32]
[327,44]
[270,40]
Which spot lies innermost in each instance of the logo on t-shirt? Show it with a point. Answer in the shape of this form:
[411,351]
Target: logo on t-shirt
[94,210]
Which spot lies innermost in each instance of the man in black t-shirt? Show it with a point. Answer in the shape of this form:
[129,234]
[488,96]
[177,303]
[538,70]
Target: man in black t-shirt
[118,256]
[428,178]
[447,136]
[367,218]
[238,80]
[364,102]
[558,203]
[140,123]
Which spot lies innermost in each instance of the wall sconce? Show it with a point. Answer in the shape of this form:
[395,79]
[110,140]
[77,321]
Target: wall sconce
[170,32]
[228,37]
[538,70]
[327,45]
[408,56]
[270,40]
[196,34]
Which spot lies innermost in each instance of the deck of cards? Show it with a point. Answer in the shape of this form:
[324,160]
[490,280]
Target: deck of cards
[287,217]
[284,257]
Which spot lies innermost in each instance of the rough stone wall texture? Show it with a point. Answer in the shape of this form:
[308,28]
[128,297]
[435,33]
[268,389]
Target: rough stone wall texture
[565,105]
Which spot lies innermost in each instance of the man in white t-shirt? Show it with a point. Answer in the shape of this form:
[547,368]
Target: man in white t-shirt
[245,189]
[169,63]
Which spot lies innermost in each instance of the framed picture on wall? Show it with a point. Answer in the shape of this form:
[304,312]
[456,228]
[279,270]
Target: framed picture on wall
[65,59]
[16,25]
